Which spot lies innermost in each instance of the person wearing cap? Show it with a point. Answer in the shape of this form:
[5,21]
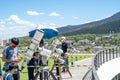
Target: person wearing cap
[64,47]
[8,75]
[64,44]
[10,54]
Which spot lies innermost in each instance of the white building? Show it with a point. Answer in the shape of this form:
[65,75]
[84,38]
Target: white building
[3,42]
[83,42]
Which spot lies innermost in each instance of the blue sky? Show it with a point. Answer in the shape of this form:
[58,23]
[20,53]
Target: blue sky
[18,17]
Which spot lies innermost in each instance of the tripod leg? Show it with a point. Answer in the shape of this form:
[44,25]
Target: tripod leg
[40,76]
[68,70]
[51,73]
[58,73]
[54,78]
[45,75]
[37,75]
[51,70]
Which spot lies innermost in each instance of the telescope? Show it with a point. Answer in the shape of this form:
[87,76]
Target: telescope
[32,47]
[53,52]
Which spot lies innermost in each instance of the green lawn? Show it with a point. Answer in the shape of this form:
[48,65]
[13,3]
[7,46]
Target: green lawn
[24,74]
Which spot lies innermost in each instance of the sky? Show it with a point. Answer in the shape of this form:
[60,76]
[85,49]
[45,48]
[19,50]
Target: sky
[18,17]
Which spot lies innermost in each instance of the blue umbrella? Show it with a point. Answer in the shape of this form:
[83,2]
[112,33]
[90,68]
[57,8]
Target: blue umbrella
[48,33]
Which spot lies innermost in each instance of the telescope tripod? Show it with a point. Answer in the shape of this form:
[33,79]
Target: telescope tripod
[58,67]
[44,73]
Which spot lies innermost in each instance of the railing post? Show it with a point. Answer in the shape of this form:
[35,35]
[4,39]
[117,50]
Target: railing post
[119,51]
[106,55]
[103,52]
[100,58]
[93,78]
[95,62]
[113,53]
[116,52]
[109,54]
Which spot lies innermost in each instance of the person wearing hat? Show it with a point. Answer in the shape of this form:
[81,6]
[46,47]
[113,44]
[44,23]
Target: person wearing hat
[64,47]
[64,44]
[10,72]
[10,54]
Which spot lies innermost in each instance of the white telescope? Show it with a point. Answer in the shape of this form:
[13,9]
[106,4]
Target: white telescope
[32,47]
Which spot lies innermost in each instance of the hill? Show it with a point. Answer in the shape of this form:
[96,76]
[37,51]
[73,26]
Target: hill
[105,26]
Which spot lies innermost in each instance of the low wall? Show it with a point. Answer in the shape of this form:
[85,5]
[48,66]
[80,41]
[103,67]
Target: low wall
[109,69]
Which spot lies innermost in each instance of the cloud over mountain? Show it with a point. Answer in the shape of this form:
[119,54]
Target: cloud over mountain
[54,14]
[34,13]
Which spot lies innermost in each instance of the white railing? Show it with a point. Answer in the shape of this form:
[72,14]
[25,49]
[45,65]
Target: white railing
[99,59]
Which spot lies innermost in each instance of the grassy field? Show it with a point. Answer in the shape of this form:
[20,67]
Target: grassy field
[24,74]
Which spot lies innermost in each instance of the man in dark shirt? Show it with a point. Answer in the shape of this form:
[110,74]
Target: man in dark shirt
[64,48]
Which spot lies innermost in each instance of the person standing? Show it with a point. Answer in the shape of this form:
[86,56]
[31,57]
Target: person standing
[32,62]
[64,47]
[64,44]
[35,61]
[10,54]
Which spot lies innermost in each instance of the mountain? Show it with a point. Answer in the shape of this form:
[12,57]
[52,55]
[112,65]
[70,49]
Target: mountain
[104,26]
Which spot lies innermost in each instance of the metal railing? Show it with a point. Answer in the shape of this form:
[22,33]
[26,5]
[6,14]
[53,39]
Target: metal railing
[100,58]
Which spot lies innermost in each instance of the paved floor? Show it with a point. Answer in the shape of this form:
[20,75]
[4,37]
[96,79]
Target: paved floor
[78,72]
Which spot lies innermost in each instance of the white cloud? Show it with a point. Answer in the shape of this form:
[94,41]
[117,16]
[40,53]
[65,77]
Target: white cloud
[14,31]
[86,22]
[90,21]
[54,14]
[47,25]
[75,17]
[15,27]
[15,19]
[1,27]
[34,13]
[96,20]
[62,25]
[2,22]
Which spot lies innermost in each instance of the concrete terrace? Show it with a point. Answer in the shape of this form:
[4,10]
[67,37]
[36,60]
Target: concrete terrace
[78,72]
